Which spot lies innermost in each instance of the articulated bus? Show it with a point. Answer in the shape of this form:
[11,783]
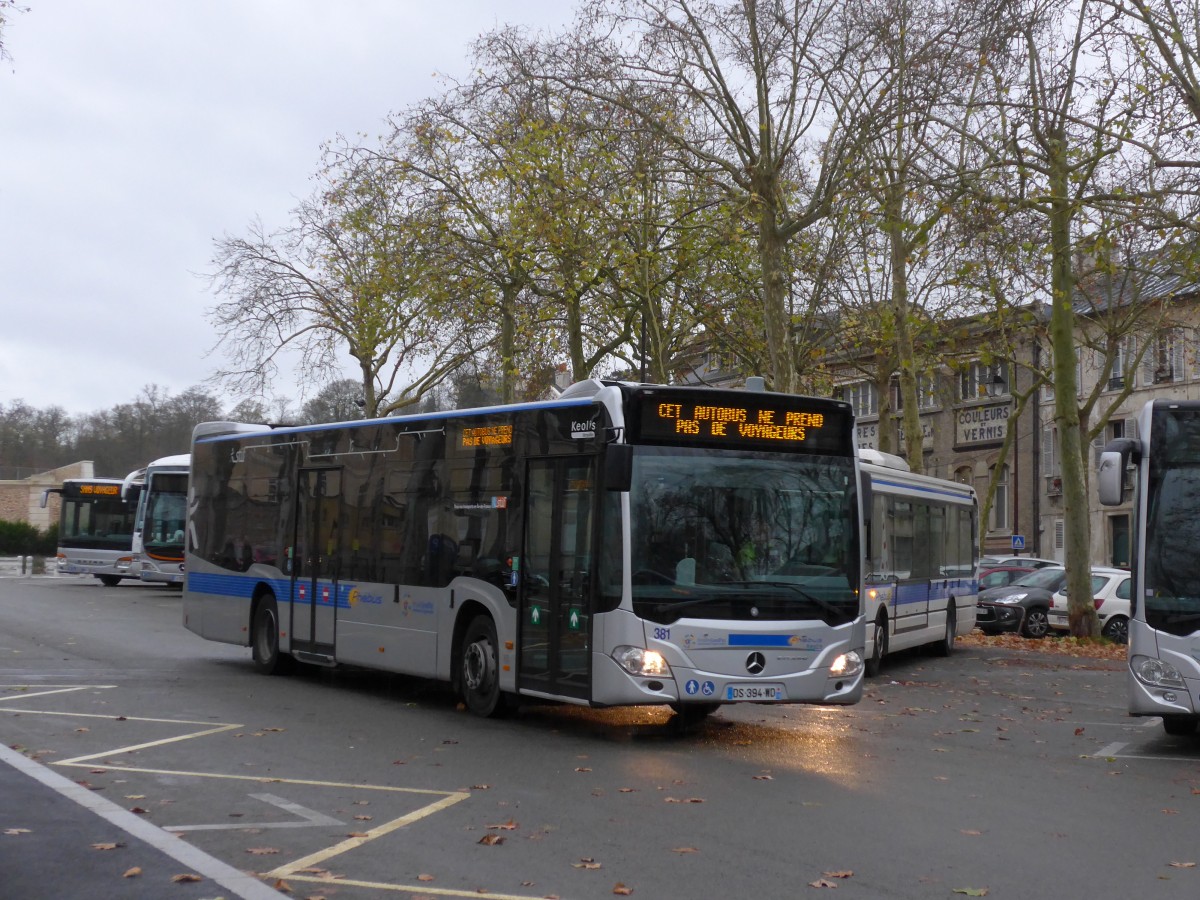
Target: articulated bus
[620,545]
[1164,629]
[161,516]
[921,551]
[95,529]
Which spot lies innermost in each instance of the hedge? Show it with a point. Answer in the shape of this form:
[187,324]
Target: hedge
[23,539]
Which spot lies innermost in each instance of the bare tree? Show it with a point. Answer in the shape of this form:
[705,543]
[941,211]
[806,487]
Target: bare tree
[346,277]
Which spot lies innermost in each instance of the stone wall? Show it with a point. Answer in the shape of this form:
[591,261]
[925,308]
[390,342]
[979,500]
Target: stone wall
[21,501]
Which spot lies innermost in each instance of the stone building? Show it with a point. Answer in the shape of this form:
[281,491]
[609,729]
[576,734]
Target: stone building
[21,501]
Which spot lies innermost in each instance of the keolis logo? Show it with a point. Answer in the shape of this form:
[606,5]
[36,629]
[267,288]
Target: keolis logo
[583,430]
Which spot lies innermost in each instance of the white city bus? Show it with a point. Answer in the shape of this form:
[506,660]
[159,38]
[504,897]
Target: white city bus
[623,544]
[1164,630]
[921,551]
[161,515]
[95,528]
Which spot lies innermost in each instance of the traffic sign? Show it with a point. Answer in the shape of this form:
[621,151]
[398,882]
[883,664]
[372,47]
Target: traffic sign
[1018,542]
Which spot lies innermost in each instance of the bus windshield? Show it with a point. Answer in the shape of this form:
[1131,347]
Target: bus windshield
[1172,589]
[741,535]
[166,513]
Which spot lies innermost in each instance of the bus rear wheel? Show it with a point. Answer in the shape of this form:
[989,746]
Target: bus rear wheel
[479,673]
[879,646]
[946,645]
[1179,726]
[264,638]
[109,580]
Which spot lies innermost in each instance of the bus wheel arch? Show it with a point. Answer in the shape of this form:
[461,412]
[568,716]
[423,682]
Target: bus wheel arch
[878,644]
[476,671]
[264,635]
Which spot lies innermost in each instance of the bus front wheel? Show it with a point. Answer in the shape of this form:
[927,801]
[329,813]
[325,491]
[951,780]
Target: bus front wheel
[264,638]
[946,645]
[1179,726]
[479,674]
[879,646]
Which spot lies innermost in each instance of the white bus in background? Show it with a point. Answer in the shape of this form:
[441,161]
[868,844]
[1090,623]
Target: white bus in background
[1164,630]
[921,551]
[161,518]
[620,545]
[95,528]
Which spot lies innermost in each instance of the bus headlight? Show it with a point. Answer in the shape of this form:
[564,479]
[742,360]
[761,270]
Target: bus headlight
[846,665]
[637,661]
[1155,672]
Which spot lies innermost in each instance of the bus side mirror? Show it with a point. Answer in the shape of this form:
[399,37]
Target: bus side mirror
[618,467]
[1110,475]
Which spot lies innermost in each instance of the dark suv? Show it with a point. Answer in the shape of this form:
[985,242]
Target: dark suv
[1021,606]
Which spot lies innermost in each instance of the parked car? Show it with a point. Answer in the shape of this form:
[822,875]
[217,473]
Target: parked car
[995,562]
[1001,575]
[1112,590]
[1022,606]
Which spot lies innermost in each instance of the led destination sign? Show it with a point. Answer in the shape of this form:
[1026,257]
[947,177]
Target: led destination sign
[777,421]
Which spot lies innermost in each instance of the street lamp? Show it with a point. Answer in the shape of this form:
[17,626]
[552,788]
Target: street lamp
[996,386]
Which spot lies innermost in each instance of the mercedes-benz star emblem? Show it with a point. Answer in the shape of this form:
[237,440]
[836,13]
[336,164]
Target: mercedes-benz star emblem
[755,663]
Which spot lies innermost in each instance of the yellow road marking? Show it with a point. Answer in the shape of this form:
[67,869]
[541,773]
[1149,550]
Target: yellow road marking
[289,870]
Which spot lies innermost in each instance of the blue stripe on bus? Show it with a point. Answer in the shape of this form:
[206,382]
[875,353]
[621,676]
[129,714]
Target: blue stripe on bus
[761,640]
[923,591]
[243,587]
[923,489]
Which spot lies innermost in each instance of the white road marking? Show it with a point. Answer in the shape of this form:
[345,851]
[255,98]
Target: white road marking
[310,816]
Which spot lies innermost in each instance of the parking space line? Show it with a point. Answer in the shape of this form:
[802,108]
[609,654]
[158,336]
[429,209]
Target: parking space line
[309,818]
[61,689]
[417,890]
[1111,750]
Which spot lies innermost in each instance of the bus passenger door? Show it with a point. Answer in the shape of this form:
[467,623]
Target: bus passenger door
[556,575]
[317,550]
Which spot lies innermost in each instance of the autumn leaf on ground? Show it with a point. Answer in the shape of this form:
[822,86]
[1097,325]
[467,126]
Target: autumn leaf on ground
[586,863]
[364,818]
[582,769]
[1182,865]
[186,878]
[823,883]
[480,787]
[510,825]
[16,831]
[492,839]
[621,889]
[281,885]
[424,876]
[972,892]
[684,850]
[634,790]
[764,777]
[972,832]
[843,873]
[262,851]
[107,846]
[132,873]
[138,810]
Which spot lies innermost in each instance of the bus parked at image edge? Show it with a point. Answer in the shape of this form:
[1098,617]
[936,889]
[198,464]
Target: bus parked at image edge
[95,528]
[161,516]
[1164,628]
[620,545]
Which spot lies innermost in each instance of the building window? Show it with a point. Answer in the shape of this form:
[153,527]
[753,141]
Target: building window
[964,475]
[978,381]
[1050,460]
[999,521]
[863,396]
[926,397]
[1126,353]
[1164,361]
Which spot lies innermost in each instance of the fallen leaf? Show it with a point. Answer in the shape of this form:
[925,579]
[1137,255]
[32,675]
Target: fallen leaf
[684,850]
[1182,865]
[823,883]
[357,834]
[972,892]
[491,839]
[970,831]
[15,831]
[621,889]
[586,863]
[510,825]
[425,877]
[262,851]
[281,885]
[132,873]
[135,796]
[764,777]
[364,818]
[106,846]
[845,873]
[1078,732]
[480,787]
[138,810]
[582,769]
[186,878]
[634,790]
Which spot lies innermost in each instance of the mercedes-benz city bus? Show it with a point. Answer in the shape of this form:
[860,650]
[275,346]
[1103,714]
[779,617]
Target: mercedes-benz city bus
[95,528]
[622,544]
[1164,628]
[161,514]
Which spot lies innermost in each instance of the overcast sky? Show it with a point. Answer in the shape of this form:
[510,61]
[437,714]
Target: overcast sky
[134,132]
